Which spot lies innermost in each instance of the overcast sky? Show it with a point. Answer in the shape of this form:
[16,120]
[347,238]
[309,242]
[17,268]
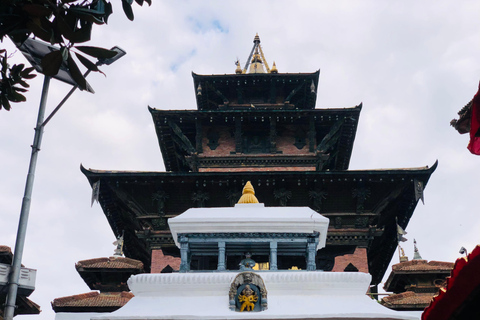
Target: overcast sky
[413,64]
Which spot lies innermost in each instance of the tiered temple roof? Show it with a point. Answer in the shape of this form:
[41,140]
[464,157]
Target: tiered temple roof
[262,125]
[107,275]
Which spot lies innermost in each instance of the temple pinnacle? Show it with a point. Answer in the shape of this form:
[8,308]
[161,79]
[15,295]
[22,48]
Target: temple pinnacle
[248,194]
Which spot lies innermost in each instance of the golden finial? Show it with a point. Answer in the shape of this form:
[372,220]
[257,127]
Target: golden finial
[274,68]
[238,70]
[248,194]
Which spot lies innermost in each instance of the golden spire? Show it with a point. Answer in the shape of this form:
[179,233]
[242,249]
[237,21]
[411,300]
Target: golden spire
[239,69]
[256,59]
[274,68]
[248,194]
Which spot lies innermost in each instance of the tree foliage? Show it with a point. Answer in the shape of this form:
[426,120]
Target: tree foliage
[64,23]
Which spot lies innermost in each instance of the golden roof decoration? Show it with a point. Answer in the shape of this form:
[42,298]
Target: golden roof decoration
[248,194]
[256,60]
[274,68]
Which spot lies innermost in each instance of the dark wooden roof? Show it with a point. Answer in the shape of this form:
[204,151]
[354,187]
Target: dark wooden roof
[362,205]
[269,90]
[407,301]
[92,302]
[339,122]
[462,124]
[404,273]
[108,274]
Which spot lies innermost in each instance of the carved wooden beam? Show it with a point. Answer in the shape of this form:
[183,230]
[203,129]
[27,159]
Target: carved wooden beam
[183,141]
[293,93]
[198,135]
[311,135]
[330,138]
[273,135]
[238,135]
[273,92]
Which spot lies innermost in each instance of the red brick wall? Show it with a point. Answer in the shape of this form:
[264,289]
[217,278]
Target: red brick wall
[225,139]
[358,259]
[160,261]
[285,143]
[227,143]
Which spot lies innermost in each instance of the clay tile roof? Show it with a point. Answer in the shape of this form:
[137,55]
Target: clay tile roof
[407,299]
[423,265]
[110,263]
[5,249]
[93,299]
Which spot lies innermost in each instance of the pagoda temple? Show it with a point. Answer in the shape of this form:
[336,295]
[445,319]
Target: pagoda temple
[107,278]
[241,292]
[415,282]
[260,125]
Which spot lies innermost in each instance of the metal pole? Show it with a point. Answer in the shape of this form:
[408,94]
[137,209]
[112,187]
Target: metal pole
[22,224]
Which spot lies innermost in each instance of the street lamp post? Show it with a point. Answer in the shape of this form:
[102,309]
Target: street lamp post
[25,210]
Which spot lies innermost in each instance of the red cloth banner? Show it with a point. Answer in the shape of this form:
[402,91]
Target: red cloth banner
[474,144]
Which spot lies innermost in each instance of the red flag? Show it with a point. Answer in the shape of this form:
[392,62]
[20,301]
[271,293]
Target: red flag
[474,144]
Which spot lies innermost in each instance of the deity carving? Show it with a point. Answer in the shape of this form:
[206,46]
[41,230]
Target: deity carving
[248,293]
[248,263]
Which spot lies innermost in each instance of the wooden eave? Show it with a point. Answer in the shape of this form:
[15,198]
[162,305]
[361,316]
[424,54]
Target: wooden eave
[175,155]
[217,91]
[128,197]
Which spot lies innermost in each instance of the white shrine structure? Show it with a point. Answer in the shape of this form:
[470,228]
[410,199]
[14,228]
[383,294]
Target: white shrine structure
[252,230]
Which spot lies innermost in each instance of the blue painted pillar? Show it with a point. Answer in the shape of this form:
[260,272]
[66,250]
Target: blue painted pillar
[221,256]
[273,256]
[311,250]
[184,255]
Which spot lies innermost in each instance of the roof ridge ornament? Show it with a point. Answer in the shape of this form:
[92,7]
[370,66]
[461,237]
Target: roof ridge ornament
[416,254]
[256,60]
[248,194]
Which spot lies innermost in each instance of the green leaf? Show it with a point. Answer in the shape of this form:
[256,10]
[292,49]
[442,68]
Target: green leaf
[51,62]
[24,84]
[140,2]
[14,96]
[65,53]
[27,73]
[5,103]
[149,2]
[19,89]
[108,11]
[127,8]
[86,14]
[76,74]
[39,32]
[36,10]
[87,63]
[96,52]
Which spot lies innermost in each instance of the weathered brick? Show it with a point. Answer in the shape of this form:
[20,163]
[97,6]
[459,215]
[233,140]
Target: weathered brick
[358,259]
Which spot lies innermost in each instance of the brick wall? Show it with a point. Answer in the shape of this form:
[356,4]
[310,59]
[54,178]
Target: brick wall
[284,143]
[160,261]
[358,259]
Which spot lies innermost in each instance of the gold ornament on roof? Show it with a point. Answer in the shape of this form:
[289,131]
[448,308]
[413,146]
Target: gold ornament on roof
[274,68]
[238,70]
[248,194]
[256,60]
